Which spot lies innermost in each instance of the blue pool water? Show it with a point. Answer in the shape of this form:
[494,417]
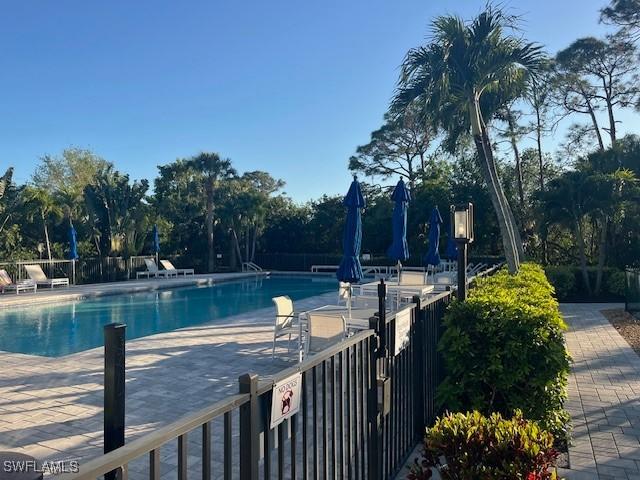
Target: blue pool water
[62,329]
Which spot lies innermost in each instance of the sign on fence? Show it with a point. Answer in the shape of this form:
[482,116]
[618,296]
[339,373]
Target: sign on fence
[285,399]
[403,325]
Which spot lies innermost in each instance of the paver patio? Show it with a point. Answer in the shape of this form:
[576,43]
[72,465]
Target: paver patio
[604,398]
[51,408]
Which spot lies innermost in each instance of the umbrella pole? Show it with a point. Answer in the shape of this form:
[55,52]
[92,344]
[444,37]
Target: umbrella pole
[349,302]
[399,268]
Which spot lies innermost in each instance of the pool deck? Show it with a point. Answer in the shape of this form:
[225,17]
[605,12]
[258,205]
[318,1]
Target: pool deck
[81,292]
[51,408]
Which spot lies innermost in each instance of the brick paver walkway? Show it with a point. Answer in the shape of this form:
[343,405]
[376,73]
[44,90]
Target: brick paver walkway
[604,398]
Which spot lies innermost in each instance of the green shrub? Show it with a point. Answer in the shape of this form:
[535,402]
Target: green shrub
[504,351]
[563,280]
[472,446]
[616,283]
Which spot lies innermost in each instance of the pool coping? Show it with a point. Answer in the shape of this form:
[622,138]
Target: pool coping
[96,290]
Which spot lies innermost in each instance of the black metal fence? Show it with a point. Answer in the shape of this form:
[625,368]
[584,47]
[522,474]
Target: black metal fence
[632,296]
[364,404]
[88,270]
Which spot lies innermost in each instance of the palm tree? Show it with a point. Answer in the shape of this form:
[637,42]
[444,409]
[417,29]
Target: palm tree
[460,79]
[42,204]
[5,183]
[213,169]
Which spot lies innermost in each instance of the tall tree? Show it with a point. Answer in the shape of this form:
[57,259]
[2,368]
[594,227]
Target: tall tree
[5,183]
[214,169]
[119,212]
[462,77]
[604,74]
[625,14]
[244,206]
[40,203]
[540,97]
[398,148]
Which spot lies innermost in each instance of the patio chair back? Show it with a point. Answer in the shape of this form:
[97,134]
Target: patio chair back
[5,279]
[284,312]
[151,265]
[412,278]
[35,273]
[344,291]
[325,330]
[167,265]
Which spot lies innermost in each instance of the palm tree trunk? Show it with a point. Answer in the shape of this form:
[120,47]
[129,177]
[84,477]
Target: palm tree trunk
[236,242]
[484,153]
[539,145]
[209,221]
[46,237]
[583,256]
[513,225]
[602,253]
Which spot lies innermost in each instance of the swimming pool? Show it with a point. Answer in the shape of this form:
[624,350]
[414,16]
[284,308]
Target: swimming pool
[58,330]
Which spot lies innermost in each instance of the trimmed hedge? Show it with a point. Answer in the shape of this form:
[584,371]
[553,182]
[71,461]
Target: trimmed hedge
[504,351]
[472,446]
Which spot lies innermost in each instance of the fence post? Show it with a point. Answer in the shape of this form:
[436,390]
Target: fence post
[382,315]
[374,456]
[377,356]
[114,389]
[419,362]
[249,433]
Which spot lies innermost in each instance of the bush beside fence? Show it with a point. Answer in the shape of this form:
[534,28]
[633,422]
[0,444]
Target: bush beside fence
[504,350]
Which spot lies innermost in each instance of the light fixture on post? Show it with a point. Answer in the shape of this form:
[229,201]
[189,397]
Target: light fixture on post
[462,225]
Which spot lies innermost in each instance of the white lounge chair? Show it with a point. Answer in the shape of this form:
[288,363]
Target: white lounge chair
[284,321]
[324,331]
[38,276]
[179,271]
[7,285]
[153,271]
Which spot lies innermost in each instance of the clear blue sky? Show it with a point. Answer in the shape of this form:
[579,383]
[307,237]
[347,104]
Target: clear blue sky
[285,86]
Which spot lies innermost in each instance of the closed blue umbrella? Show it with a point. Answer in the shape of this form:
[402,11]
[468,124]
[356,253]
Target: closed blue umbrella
[350,270]
[73,243]
[399,250]
[73,251]
[156,240]
[432,257]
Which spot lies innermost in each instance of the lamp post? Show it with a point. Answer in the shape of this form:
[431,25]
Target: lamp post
[462,225]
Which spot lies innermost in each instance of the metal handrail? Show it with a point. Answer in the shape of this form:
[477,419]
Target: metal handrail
[154,440]
[250,266]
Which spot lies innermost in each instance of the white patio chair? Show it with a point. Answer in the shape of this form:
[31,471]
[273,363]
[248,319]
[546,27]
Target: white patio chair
[179,271]
[7,285]
[324,331]
[344,293]
[153,271]
[38,276]
[284,321]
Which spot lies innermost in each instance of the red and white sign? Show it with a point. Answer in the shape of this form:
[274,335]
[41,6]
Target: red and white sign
[286,399]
